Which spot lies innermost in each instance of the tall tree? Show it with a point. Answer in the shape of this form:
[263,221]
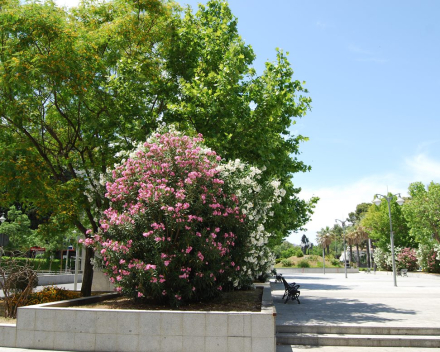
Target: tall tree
[79,86]
[58,103]
[377,222]
[324,238]
[422,211]
[240,114]
[358,214]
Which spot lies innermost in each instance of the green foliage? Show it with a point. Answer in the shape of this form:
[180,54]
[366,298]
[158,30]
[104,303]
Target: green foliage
[286,263]
[34,263]
[422,212]
[304,264]
[428,258]
[335,262]
[80,85]
[300,254]
[17,227]
[241,115]
[377,223]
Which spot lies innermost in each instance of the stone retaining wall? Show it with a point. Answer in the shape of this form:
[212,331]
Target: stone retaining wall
[52,326]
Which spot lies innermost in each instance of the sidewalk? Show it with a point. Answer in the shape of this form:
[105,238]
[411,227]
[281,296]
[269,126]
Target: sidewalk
[360,299]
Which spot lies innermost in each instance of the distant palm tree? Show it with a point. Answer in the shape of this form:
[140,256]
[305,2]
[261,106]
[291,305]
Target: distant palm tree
[324,238]
[361,235]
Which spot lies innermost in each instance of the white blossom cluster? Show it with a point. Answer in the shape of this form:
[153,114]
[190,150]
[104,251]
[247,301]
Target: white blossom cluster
[256,201]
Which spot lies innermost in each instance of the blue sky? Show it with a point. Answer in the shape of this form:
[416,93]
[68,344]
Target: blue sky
[373,73]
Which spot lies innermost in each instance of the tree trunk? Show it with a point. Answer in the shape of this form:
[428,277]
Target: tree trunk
[368,254]
[351,253]
[86,286]
[358,256]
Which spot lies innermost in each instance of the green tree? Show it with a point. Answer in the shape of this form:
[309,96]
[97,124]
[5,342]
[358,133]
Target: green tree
[325,237]
[79,86]
[240,114]
[422,211]
[358,214]
[59,103]
[377,223]
[17,227]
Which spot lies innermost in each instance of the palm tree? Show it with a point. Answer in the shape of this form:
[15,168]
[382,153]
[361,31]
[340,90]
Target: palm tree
[360,236]
[324,238]
[350,237]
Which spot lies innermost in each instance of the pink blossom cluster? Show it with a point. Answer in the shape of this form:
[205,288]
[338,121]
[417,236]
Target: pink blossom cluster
[407,258]
[173,225]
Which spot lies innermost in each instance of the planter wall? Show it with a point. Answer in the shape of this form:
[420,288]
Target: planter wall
[52,326]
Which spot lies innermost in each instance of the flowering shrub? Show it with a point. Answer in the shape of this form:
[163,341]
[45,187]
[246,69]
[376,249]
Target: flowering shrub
[428,258]
[382,259]
[407,259]
[180,227]
[51,294]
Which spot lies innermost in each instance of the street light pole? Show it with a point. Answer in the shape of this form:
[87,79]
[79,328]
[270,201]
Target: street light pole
[345,244]
[399,201]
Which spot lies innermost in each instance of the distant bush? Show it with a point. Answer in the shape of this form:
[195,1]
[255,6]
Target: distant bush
[304,264]
[300,254]
[407,259]
[286,263]
[335,262]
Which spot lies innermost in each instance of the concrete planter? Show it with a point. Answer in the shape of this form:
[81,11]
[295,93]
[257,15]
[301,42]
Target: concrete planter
[55,326]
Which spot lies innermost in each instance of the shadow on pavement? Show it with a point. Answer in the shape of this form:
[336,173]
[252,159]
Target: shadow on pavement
[310,286]
[330,311]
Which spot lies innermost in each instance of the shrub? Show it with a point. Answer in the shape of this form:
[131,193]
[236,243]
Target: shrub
[428,260]
[181,227]
[382,259]
[17,282]
[335,262]
[407,259]
[300,254]
[286,263]
[304,264]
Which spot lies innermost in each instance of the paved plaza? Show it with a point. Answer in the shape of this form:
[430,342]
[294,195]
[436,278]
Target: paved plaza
[361,299]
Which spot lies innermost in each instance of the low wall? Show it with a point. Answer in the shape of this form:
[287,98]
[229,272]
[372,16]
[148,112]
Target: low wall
[56,279]
[51,326]
[316,270]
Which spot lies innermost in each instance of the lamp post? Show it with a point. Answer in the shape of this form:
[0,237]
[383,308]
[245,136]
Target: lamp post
[399,201]
[345,244]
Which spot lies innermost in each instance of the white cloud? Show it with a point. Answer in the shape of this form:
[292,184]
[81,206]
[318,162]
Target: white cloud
[423,168]
[365,55]
[339,200]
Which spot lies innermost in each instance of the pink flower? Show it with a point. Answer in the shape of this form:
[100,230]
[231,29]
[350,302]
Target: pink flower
[140,294]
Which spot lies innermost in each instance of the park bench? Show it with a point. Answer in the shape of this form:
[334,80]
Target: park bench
[290,291]
[403,272]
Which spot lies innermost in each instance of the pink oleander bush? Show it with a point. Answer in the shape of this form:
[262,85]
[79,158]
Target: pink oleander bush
[175,229]
[407,259]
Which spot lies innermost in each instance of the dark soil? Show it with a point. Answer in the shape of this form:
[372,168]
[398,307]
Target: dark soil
[249,300]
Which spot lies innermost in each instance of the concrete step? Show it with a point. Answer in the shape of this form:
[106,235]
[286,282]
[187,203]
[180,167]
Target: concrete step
[358,330]
[422,341]
[360,336]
